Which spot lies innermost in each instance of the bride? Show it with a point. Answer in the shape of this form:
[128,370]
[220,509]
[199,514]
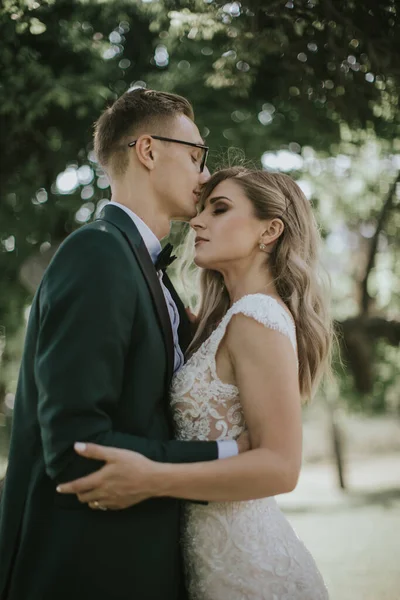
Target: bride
[262,344]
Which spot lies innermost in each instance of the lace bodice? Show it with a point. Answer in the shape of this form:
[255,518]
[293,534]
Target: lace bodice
[203,406]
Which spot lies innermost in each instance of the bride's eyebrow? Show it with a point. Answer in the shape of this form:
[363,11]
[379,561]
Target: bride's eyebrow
[216,198]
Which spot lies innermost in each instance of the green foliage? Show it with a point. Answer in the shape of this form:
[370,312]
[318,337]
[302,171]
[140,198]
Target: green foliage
[317,78]
[284,73]
[383,396]
[59,69]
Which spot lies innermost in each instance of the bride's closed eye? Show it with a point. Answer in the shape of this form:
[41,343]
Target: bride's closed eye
[220,209]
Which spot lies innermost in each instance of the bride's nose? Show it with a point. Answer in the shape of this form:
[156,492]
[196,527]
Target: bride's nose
[197,223]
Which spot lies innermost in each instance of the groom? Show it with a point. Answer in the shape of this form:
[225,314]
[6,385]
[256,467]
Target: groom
[106,333]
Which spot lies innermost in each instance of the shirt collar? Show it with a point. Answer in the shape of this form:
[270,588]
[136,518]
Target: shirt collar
[151,242]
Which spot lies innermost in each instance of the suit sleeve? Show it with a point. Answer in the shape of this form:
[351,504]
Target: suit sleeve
[87,304]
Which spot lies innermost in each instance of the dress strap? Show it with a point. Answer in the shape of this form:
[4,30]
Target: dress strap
[262,308]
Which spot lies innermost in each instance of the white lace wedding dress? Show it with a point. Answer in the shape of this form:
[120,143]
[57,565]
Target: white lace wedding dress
[236,550]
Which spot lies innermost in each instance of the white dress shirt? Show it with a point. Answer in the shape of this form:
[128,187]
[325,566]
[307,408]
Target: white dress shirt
[226,448]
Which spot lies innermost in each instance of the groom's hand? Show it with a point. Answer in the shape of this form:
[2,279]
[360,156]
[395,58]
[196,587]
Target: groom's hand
[243,442]
[126,478]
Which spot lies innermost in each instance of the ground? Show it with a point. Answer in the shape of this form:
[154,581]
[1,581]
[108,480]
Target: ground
[353,536]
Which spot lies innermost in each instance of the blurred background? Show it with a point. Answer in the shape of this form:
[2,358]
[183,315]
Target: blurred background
[310,88]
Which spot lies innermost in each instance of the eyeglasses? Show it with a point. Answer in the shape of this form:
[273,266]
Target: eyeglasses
[165,139]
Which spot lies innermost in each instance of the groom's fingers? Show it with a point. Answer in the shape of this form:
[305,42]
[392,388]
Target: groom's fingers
[82,485]
[92,496]
[94,451]
[90,482]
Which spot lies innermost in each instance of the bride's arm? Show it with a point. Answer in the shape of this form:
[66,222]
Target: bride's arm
[265,369]
[266,375]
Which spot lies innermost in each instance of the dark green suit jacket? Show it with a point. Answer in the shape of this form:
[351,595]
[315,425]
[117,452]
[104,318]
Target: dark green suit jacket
[97,366]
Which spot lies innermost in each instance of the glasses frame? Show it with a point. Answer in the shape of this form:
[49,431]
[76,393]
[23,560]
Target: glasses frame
[192,144]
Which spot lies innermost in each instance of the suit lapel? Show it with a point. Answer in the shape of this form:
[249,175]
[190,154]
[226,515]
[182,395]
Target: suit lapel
[126,226]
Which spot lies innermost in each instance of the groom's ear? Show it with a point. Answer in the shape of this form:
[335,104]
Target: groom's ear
[145,151]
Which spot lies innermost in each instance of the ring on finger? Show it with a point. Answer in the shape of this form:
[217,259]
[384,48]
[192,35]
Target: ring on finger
[96,505]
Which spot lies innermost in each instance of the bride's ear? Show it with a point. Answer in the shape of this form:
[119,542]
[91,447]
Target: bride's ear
[273,229]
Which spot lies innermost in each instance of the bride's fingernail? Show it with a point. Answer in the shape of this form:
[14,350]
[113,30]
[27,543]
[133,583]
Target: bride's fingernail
[81,446]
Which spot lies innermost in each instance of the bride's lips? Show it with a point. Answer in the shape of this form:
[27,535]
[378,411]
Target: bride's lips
[198,240]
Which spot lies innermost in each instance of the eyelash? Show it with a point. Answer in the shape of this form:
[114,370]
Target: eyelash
[220,210]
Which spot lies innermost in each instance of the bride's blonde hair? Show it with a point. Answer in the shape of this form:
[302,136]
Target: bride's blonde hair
[294,264]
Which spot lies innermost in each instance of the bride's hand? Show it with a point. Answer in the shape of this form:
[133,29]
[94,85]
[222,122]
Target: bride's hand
[243,442]
[127,478]
[191,315]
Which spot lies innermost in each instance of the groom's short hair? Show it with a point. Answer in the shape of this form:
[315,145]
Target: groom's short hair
[135,112]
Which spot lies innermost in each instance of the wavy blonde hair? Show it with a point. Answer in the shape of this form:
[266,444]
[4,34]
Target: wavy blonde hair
[294,264]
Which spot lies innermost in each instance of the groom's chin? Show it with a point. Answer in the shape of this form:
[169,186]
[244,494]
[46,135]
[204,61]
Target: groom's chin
[187,217]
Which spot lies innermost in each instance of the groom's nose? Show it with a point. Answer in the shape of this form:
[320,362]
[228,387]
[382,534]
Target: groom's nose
[205,175]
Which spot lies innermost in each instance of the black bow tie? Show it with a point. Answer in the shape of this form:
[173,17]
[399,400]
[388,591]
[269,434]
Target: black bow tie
[164,259]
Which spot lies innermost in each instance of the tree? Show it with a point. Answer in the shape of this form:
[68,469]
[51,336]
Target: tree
[285,72]
[262,76]
[61,63]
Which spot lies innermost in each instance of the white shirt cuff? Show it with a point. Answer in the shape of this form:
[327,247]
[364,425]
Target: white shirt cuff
[227,449]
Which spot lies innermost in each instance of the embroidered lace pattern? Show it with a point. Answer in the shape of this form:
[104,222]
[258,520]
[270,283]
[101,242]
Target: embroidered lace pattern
[236,550]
